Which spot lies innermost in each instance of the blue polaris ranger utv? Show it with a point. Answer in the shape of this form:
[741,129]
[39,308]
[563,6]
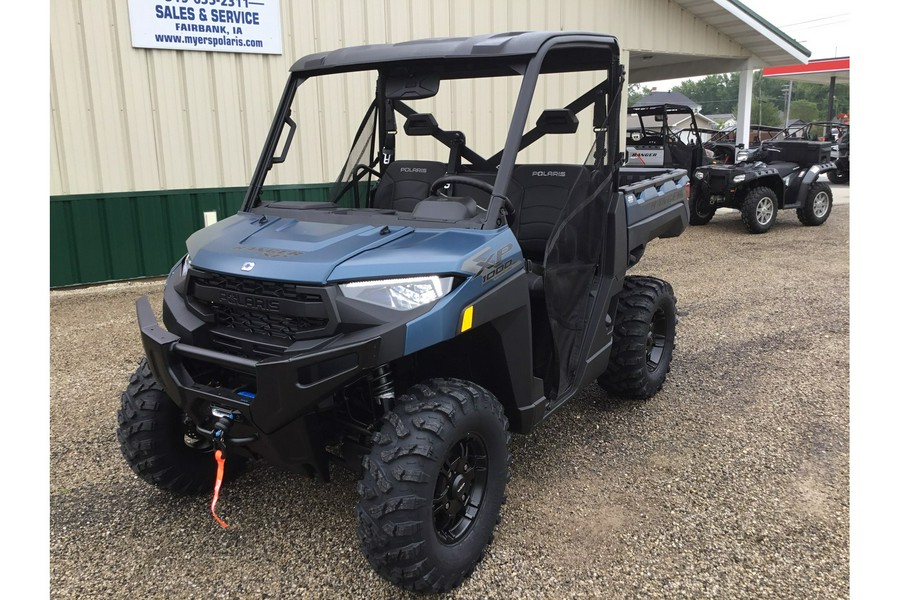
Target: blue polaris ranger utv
[438,300]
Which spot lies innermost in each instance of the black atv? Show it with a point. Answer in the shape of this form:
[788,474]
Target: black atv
[781,173]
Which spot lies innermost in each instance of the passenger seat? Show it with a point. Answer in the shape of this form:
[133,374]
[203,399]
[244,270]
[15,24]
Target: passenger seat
[539,194]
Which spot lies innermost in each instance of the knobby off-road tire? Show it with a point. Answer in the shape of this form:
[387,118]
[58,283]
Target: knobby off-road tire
[433,484]
[758,210]
[643,339]
[838,176]
[702,211]
[817,207]
[154,433]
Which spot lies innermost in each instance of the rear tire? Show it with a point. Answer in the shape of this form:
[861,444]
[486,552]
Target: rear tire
[643,339]
[817,207]
[433,484]
[758,210]
[154,433]
[702,211]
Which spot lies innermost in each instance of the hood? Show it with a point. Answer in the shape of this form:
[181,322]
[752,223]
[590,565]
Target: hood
[282,249]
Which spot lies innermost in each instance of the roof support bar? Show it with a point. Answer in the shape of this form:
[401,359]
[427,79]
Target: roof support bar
[745,101]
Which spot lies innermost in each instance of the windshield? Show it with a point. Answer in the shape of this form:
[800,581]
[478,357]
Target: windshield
[410,127]
[817,132]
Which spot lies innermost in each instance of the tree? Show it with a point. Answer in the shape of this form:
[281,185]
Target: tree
[715,94]
[719,94]
[770,114]
[804,110]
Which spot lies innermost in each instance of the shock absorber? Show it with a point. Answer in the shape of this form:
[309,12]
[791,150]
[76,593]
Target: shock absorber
[381,382]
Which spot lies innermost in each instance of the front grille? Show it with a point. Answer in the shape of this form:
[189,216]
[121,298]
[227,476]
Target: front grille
[283,327]
[258,287]
[718,183]
[246,313]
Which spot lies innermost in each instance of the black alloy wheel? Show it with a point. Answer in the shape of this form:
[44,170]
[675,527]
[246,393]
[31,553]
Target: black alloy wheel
[460,489]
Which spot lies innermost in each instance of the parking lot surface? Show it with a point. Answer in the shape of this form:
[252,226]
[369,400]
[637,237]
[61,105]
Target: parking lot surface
[732,482]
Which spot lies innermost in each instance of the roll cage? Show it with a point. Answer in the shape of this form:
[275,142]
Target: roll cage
[414,70]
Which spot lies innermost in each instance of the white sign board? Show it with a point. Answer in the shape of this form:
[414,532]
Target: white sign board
[211,25]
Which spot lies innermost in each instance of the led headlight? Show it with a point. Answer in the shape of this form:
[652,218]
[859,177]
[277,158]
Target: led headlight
[399,294]
[185,264]
[742,156]
[699,175]
[739,178]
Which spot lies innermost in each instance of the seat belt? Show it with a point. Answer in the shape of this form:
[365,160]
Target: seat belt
[390,135]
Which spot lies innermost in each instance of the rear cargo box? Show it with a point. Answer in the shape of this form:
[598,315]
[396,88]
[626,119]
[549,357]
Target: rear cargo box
[804,153]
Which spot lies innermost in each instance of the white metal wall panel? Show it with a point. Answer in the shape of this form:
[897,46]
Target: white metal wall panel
[127,119]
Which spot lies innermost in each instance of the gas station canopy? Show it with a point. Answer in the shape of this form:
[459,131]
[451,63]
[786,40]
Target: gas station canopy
[820,70]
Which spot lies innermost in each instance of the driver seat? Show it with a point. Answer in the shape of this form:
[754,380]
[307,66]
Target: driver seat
[405,183]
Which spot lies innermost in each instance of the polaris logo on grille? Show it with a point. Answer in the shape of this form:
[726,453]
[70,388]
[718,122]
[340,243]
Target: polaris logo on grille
[248,266]
[248,301]
[413,170]
[548,173]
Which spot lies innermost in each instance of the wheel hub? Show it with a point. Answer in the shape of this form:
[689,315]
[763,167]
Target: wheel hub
[459,489]
[820,204]
[764,210]
[656,339]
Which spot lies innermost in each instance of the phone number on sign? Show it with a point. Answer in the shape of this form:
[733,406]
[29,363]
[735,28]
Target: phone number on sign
[222,3]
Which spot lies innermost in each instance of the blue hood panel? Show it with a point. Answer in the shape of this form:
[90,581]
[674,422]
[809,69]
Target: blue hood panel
[283,249]
[422,252]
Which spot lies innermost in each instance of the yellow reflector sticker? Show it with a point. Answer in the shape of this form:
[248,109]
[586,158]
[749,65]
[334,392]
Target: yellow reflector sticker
[467,319]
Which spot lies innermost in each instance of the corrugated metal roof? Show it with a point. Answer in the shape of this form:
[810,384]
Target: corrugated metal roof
[750,30]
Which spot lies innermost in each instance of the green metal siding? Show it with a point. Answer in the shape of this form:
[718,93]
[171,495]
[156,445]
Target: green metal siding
[110,237]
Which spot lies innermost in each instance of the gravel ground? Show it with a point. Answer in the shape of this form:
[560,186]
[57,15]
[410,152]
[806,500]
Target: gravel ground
[733,482]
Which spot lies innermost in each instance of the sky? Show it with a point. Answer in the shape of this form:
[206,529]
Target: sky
[822,26]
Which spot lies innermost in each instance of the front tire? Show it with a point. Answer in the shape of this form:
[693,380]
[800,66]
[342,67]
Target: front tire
[759,208]
[702,210]
[643,339]
[817,207]
[159,442]
[433,484]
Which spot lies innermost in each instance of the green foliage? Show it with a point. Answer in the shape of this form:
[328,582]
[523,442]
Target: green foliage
[804,110]
[714,93]
[765,114]
[719,94]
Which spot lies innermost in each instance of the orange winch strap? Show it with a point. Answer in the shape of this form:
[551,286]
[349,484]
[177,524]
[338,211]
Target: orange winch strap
[220,472]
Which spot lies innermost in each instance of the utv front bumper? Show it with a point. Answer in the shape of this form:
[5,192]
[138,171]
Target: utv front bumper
[287,388]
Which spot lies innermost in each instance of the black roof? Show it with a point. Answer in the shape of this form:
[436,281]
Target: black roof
[654,98]
[493,45]
[658,109]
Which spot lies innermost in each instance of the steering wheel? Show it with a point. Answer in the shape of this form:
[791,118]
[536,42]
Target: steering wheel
[475,183]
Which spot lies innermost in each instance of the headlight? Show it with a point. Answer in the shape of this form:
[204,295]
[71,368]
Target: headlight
[739,178]
[699,175]
[185,264]
[742,156]
[399,294]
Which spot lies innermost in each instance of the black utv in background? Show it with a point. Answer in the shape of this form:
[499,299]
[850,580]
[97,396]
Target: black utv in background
[661,142]
[781,173]
[840,154]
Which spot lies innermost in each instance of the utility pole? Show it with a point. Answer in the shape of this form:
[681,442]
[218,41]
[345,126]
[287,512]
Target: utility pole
[787,89]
